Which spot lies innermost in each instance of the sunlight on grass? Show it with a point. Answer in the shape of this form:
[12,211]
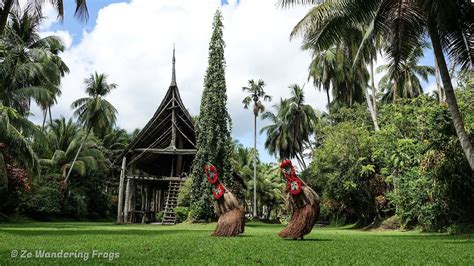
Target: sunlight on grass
[191,243]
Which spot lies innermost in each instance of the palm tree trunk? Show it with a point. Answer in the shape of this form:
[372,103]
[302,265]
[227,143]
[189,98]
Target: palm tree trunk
[45,112]
[255,166]
[50,115]
[350,97]
[371,110]
[7,5]
[450,96]
[77,154]
[438,83]
[374,89]
[394,90]
[329,101]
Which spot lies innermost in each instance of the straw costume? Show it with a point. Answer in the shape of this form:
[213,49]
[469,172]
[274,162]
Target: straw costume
[231,215]
[303,202]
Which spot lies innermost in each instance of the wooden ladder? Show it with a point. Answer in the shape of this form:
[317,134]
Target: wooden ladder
[169,216]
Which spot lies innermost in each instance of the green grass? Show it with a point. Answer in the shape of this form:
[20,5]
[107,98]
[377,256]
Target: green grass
[192,244]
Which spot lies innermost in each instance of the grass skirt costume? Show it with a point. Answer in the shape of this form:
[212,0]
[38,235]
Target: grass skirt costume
[303,203]
[231,215]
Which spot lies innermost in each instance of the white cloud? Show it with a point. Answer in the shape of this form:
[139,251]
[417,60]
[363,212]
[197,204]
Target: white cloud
[132,43]
[50,16]
[63,35]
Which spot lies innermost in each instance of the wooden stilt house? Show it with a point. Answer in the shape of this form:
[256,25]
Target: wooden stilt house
[157,161]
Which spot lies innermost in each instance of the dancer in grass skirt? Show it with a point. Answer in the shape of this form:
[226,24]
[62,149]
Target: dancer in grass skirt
[303,203]
[231,215]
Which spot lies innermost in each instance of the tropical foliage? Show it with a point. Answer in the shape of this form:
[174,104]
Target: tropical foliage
[34,160]
[291,126]
[403,25]
[391,151]
[413,167]
[213,127]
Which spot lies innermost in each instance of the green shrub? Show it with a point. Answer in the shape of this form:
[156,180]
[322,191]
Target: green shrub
[181,214]
[460,228]
[184,196]
[75,203]
[413,166]
[344,174]
[197,210]
[43,201]
[392,222]
[159,216]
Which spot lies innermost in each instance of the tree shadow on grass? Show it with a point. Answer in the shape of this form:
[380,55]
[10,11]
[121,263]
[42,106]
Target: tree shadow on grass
[113,232]
[465,242]
[56,225]
[309,240]
[255,225]
[432,236]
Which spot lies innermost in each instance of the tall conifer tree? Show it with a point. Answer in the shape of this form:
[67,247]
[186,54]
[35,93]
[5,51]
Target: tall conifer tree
[213,128]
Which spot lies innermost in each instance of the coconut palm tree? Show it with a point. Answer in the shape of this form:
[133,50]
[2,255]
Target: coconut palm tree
[300,119]
[60,133]
[269,188]
[31,68]
[7,6]
[349,78]
[322,70]
[65,139]
[403,24]
[408,76]
[256,94]
[278,142]
[115,140]
[15,131]
[290,126]
[94,112]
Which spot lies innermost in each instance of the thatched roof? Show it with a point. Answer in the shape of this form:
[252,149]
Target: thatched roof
[169,133]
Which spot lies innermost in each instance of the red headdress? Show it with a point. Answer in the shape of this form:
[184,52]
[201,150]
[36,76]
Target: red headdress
[294,184]
[213,178]
[218,191]
[211,173]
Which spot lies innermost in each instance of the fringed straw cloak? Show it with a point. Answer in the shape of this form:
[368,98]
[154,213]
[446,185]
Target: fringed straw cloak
[303,203]
[231,216]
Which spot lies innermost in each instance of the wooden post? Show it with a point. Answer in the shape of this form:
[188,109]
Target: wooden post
[132,196]
[179,161]
[147,205]
[152,204]
[157,208]
[142,195]
[126,208]
[159,200]
[133,201]
[120,196]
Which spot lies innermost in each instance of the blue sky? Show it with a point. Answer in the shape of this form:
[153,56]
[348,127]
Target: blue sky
[139,62]
[76,27]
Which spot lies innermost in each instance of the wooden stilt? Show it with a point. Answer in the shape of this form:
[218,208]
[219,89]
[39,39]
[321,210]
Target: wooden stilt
[146,206]
[159,200]
[126,208]
[132,196]
[120,196]
[142,194]
[156,200]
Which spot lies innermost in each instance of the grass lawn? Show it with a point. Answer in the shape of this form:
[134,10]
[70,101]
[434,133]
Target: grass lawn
[192,244]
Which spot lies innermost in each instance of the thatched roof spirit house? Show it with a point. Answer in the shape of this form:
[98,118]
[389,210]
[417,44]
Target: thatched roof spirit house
[157,161]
